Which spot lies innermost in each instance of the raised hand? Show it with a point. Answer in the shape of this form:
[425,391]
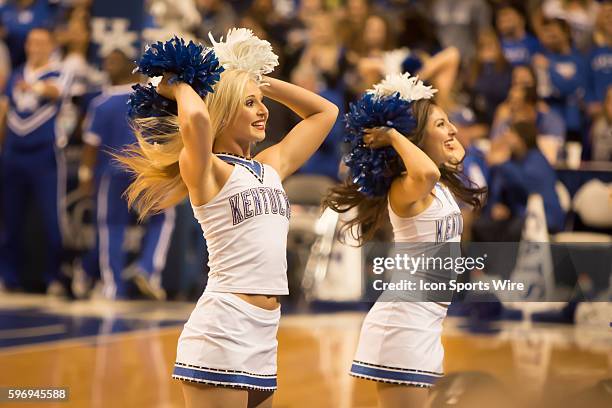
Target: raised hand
[378,137]
[165,89]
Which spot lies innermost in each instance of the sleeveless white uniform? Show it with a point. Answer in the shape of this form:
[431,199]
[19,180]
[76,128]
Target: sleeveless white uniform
[228,341]
[400,340]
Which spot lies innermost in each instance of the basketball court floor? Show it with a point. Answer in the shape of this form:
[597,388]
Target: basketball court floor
[120,354]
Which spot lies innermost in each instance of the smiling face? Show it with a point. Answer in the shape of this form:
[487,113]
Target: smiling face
[249,124]
[439,139]
[39,46]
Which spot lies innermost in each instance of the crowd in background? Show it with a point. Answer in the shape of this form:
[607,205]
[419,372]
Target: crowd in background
[520,80]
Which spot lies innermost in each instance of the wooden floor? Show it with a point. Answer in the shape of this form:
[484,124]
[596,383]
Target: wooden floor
[132,368]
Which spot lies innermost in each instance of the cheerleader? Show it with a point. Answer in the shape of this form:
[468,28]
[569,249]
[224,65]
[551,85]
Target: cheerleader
[405,160]
[201,149]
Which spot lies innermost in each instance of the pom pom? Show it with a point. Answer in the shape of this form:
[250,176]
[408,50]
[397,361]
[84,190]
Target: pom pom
[409,88]
[373,170]
[389,104]
[145,102]
[392,60]
[243,50]
[412,63]
[190,63]
[401,60]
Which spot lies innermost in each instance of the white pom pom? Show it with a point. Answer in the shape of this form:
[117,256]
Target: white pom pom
[409,88]
[392,60]
[243,50]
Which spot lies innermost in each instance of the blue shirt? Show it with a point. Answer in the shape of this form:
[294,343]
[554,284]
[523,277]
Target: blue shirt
[600,74]
[326,160]
[19,21]
[519,52]
[549,123]
[513,181]
[475,166]
[107,126]
[568,76]
[32,119]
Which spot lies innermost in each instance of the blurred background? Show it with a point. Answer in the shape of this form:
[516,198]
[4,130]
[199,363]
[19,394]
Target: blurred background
[544,65]
[527,83]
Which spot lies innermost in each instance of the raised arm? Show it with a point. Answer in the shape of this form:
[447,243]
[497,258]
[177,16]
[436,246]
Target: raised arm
[318,116]
[196,158]
[421,172]
[441,71]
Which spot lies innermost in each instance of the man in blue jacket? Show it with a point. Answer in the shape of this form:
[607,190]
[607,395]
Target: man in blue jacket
[518,169]
[562,75]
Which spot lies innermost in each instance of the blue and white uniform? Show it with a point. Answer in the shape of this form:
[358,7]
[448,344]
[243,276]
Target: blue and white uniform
[568,78]
[600,74]
[519,52]
[19,21]
[107,127]
[400,340]
[33,169]
[228,341]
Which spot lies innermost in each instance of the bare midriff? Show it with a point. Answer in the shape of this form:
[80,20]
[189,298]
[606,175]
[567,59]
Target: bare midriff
[268,302]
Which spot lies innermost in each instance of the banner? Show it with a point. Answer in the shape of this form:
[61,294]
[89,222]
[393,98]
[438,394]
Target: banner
[117,25]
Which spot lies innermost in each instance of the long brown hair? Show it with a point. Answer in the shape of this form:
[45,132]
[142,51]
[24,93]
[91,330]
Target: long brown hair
[371,212]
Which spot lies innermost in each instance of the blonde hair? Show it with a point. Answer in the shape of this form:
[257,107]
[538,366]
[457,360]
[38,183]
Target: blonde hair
[154,159]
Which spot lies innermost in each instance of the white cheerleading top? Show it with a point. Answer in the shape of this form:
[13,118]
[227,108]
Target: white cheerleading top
[245,226]
[440,222]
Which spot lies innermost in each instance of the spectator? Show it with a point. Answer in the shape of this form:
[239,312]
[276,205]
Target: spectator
[523,104]
[523,75]
[217,17]
[458,24]
[561,75]
[21,16]
[375,38]
[580,15]
[600,61]
[468,133]
[490,77]
[297,34]
[74,37]
[351,25]
[518,45]
[321,69]
[107,130]
[264,14]
[601,131]
[439,67]
[518,169]
[33,168]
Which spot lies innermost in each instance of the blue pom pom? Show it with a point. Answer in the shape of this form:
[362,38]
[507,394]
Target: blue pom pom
[146,102]
[190,63]
[412,63]
[373,170]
